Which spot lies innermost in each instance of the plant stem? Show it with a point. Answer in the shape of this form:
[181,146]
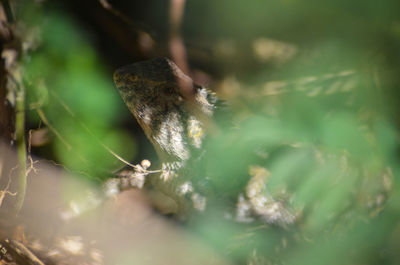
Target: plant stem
[21,147]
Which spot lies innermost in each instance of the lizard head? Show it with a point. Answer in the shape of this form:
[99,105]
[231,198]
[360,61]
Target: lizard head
[162,99]
[155,83]
[158,71]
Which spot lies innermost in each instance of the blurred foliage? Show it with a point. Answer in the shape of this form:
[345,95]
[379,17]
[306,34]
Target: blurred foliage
[312,88]
[322,121]
[68,82]
[327,164]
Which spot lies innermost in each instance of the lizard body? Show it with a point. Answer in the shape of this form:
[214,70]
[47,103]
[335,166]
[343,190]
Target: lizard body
[167,104]
[173,113]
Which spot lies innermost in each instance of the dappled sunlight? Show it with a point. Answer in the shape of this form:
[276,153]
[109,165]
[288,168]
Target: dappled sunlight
[285,152]
[267,50]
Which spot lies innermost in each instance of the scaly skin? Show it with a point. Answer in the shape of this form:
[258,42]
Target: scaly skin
[167,105]
[172,112]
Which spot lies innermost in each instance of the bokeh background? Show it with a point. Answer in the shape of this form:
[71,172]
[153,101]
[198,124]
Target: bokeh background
[311,89]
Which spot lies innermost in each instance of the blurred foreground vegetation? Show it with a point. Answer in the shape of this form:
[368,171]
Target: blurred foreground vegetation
[312,95]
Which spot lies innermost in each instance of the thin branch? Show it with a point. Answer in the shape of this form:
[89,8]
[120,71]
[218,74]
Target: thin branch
[21,253]
[176,45]
[54,130]
[124,18]
[8,11]
[31,162]
[83,125]
[21,146]
[6,190]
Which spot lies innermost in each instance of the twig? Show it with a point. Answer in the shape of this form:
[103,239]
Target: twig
[31,162]
[21,253]
[54,130]
[124,18]
[21,147]
[83,125]
[176,45]
[6,190]
[8,11]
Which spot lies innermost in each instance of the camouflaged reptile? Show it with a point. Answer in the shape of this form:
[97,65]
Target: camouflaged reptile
[175,115]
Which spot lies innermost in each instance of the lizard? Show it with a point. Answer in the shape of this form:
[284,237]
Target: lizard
[167,104]
[173,113]
[176,114]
